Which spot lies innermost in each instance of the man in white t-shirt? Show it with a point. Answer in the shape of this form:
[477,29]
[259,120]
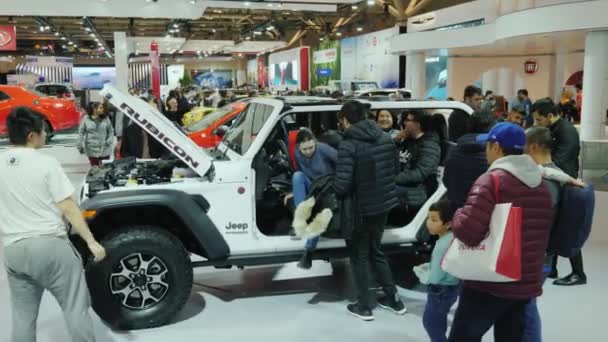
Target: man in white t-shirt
[35,196]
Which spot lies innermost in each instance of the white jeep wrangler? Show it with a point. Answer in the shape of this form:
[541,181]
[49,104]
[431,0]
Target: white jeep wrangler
[160,218]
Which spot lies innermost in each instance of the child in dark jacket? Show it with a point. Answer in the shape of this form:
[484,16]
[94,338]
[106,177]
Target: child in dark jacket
[443,288]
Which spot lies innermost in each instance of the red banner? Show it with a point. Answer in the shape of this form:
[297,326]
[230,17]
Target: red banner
[155,69]
[8,38]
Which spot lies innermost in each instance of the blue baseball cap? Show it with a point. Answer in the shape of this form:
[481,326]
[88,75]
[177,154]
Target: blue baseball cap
[507,135]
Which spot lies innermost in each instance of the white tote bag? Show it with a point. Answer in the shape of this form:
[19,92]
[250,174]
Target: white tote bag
[498,257]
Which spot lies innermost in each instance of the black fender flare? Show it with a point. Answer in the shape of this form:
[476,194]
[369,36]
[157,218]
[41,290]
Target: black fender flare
[191,209]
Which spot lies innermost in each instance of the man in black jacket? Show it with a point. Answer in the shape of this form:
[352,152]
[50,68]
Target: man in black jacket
[458,120]
[566,142]
[366,169]
[419,157]
[565,152]
[467,161]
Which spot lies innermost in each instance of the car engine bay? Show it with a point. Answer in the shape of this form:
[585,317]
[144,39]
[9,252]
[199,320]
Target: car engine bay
[129,172]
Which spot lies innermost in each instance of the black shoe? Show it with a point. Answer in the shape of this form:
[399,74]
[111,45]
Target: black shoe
[553,274]
[306,260]
[392,304]
[571,280]
[364,314]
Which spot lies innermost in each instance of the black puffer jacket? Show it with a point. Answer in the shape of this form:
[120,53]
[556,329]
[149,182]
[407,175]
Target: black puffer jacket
[465,163]
[566,147]
[367,166]
[419,160]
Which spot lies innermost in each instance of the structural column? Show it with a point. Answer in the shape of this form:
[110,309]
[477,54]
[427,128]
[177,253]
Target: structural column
[506,83]
[121,61]
[595,84]
[489,81]
[559,76]
[415,74]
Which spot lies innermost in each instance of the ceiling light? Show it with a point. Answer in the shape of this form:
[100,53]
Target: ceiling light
[47,27]
[63,38]
[257,33]
[176,25]
[371,2]
[96,39]
[248,38]
[64,46]
[41,28]
[359,29]
[270,28]
[247,3]
[148,0]
[270,5]
[355,7]
[192,2]
[56,33]
[240,55]
[321,39]
[88,29]
[339,34]
[213,30]
[92,35]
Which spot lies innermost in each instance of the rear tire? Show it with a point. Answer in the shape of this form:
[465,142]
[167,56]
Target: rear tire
[145,280]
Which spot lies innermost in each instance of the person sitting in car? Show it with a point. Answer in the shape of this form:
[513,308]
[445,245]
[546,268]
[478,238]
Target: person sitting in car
[313,160]
[388,122]
[419,157]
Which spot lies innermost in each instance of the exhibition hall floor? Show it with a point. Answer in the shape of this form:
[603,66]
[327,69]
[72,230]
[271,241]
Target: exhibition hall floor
[283,303]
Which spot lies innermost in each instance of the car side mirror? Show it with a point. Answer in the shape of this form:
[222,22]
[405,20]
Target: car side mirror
[221,131]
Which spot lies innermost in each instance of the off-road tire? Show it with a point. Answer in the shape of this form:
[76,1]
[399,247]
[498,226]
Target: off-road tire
[140,240]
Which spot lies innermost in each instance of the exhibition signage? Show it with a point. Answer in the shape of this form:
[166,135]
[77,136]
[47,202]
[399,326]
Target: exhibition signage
[325,56]
[530,66]
[155,69]
[8,38]
[324,72]
[49,61]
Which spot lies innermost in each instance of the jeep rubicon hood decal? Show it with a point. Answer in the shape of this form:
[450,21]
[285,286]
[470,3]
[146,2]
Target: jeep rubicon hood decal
[159,127]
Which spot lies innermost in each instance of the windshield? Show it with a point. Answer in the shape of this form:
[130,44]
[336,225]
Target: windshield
[209,119]
[246,127]
[36,92]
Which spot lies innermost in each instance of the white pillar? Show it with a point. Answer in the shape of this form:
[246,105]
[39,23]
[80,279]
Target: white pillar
[595,84]
[507,6]
[452,86]
[489,81]
[559,78]
[415,74]
[121,60]
[506,83]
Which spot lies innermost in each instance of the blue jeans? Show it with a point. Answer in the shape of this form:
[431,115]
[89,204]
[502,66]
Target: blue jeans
[533,325]
[301,186]
[440,299]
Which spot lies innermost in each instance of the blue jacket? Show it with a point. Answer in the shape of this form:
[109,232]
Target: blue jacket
[322,162]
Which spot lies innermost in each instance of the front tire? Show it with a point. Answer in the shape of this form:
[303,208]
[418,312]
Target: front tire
[145,280]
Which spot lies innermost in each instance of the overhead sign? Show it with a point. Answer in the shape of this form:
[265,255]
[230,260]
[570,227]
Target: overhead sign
[325,56]
[49,61]
[8,38]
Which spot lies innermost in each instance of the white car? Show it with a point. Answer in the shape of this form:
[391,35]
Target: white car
[160,218]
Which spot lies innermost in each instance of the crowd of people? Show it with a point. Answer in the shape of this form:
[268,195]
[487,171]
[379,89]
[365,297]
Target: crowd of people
[385,161]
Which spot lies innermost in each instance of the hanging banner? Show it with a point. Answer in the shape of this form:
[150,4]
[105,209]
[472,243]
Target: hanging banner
[325,56]
[8,38]
[155,69]
[49,61]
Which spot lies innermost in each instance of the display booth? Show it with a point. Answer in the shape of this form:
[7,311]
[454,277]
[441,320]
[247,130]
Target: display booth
[289,70]
[368,58]
[46,69]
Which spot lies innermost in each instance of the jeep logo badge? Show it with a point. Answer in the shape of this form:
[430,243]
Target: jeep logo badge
[236,228]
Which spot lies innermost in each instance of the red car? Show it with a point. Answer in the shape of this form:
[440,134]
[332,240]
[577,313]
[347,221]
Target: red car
[58,114]
[209,131]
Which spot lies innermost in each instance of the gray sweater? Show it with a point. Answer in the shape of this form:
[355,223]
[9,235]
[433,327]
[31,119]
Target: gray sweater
[95,137]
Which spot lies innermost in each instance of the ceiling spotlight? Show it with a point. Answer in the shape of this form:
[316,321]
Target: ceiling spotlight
[41,28]
[213,30]
[176,25]
[248,38]
[192,2]
[56,33]
[240,55]
[371,2]
[88,29]
[92,35]
[47,27]
[257,33]
[355,7]
[96,39]
[339,34]
[63,38]
[64,46]
[270,28]
[247,3]
[270,5]
[321,39]
[359,29]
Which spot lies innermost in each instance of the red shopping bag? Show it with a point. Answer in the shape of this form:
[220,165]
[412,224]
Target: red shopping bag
[498,258]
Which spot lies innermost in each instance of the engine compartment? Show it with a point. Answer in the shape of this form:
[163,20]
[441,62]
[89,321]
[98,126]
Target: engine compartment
[129,172]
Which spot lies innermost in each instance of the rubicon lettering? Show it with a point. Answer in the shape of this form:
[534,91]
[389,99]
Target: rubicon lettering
[148,126]
[464,247]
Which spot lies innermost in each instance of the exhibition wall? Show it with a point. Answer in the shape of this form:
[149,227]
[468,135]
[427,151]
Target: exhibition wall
[463,71]
[368,57]
[252,71]
[289,69]
[326,63]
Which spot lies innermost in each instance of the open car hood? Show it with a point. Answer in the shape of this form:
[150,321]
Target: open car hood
[161,128]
